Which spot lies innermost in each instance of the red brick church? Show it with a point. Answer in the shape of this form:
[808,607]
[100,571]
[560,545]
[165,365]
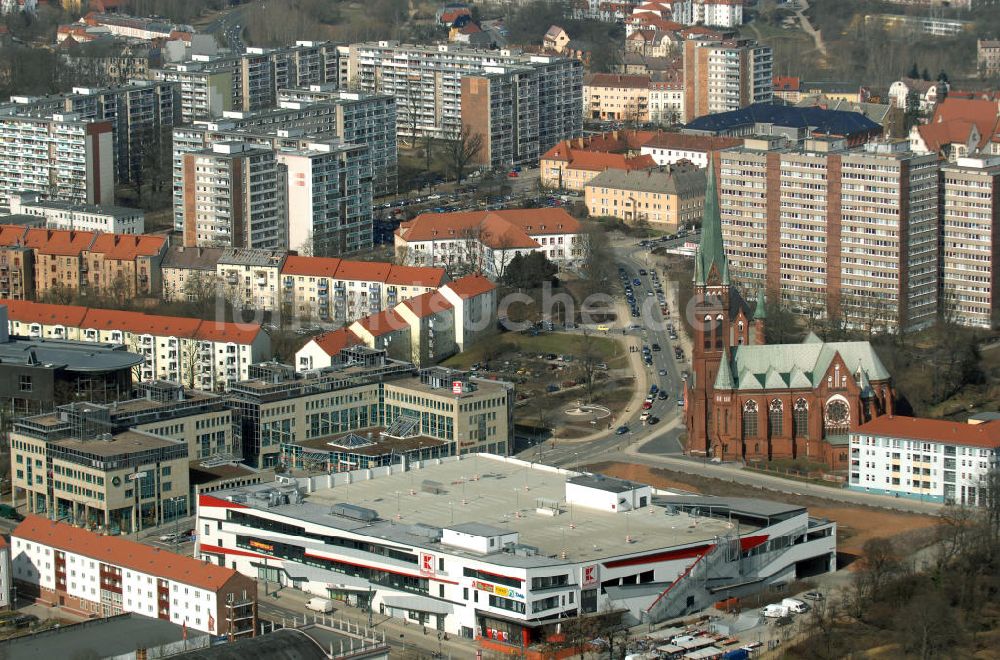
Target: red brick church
[749,400]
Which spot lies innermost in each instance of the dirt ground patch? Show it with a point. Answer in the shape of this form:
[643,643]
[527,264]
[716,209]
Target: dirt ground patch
[855,524]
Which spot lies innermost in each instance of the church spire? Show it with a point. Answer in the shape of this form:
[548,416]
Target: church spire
[711,252]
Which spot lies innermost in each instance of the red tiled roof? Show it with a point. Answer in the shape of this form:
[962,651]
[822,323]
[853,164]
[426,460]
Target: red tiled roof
[471,286]
[935,136]
[12,235]
[382,323]
[654,21]
[60,242]
[786,84]
[311,266]
[416,276]
[26,311]
[369,271]
[220,331]
[986,434]
[981,112]
[120,551]
[616,80]
[579,159]
[336,340]
[494,228]
[427,304]
[126,247]
[685,142]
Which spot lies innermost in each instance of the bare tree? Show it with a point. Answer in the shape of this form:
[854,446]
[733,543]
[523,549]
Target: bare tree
[463,149]
[588,357]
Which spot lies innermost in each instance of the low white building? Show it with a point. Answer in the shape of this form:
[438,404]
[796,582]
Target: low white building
[79,217]
[927,459]
[6,582]
[487,241]
[672,148]
[498,549]
[91,574]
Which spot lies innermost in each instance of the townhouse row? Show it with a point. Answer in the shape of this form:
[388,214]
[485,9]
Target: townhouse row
[204,355]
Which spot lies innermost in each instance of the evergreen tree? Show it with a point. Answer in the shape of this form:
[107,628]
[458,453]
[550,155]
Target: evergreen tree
[914,72]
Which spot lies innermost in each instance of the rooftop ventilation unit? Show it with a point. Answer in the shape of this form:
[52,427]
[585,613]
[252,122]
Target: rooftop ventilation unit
[353,512]
[432,487]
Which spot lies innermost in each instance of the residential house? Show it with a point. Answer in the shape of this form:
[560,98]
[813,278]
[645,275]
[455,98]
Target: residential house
[566,168]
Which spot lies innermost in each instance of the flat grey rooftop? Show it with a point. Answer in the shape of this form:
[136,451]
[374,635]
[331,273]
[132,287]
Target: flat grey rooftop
[600,482]
[499,493]
[104,637]
[71,355]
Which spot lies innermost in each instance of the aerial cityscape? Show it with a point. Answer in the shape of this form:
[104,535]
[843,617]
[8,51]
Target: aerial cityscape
[637,330]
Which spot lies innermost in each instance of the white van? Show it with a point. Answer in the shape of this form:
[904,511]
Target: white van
[774,611]
[321,605]
[795,605]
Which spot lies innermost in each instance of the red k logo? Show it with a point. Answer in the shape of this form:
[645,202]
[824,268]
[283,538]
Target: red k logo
[426,563]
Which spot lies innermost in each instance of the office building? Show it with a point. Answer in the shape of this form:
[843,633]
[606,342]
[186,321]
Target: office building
[205,355]
[81,217]
[427,83]
[504,551]
[141,114]
[970,197]
[931,460]
[828,230]
[105,576]
[363,390]
[487,241]
[60,156]
[721,75]
[233,197]
[665,198]
[368,119]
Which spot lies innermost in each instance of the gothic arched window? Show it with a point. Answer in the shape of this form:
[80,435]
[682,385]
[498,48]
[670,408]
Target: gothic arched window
[800,419]
[750,428]
[776,418]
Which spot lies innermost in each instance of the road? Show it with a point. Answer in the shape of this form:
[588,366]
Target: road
[229,26]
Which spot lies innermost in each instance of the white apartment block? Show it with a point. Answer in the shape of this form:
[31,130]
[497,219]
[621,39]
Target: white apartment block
[328,198]
[368,119]
[427,84]
[250,278]
[206,355]
[60,156]
[714,13]
[141,115]
[91,574]
[727,74]
[79,217]
[927,459]
[970,192]
[204,91]
[489,565]
[233,196]
[666,103]
[831,229]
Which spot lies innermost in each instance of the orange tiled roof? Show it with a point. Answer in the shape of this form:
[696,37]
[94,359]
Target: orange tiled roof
[490,226]
[126,247]
[220,331]
[336,340]
[786,84]
[427,304]
[26,311]
[59,242]
[139,323]
[597,161]
[616,80]
[311,266]
[936,136]
[981,112]
[986,434]
[12,235]
[120,551]
[471,286]
[382,323]
[369,271]
[416,276]
[687,142]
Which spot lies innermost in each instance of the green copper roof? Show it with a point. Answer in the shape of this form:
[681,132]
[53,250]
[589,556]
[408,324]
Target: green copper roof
[711,252]
[760,311]
[724,378]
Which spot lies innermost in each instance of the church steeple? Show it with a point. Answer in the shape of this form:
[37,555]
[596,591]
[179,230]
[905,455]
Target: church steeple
[711,253]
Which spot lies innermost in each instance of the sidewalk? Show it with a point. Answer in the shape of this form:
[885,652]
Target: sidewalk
[422,640]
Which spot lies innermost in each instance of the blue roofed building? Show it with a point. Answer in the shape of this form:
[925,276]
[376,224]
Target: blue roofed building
[794,123]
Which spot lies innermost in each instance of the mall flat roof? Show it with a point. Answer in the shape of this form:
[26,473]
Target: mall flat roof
[501,493]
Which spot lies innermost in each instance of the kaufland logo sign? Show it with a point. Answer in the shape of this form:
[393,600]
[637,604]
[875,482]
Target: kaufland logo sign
[426,563]
[588,576]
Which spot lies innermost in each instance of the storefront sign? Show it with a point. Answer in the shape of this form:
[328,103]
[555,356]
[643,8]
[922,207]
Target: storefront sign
[589,576]
[262,546]
[499,590]
[426,563]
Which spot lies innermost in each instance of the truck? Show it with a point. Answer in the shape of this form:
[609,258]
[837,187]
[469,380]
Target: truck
[795,605]
[321,605]
[775,611]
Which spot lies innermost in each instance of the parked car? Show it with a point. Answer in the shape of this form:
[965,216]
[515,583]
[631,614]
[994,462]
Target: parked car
[813,595]
[621,430]
[653,419]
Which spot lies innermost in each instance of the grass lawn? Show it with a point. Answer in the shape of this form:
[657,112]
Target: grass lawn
[502,346]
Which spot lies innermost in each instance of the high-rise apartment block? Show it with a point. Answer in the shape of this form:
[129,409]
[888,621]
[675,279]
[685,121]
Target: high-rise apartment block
[61,156]
[141,116]
[233,197]
[328,197]
[213,84]
[970,221]
[832,230]
[725,74]
[518,96]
